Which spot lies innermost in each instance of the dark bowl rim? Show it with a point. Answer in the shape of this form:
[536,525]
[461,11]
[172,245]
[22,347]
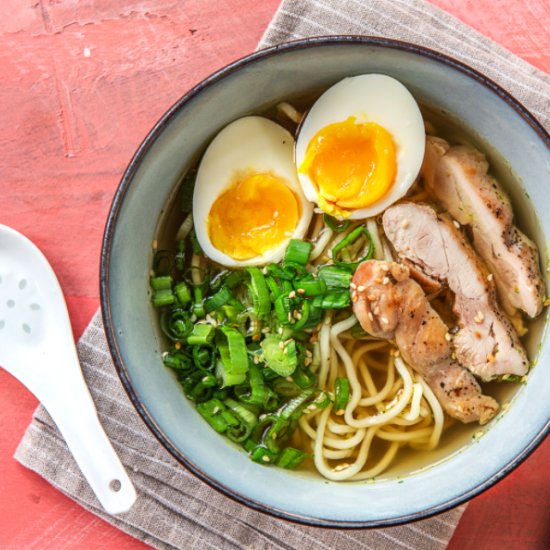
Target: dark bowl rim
[110,228]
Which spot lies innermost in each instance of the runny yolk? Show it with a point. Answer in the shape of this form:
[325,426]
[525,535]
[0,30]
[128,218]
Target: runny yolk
[254,215]
[351,165]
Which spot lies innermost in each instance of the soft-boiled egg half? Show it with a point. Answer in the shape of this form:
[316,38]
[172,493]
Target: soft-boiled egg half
[247,202]
[361,146]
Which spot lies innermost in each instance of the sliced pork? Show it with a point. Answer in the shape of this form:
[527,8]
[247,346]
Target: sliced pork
[486,343]
[458,178]
[391,305]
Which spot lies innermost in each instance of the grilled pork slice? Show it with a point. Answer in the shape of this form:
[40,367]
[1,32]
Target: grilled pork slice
[461,183]
[486,343]
[389,304]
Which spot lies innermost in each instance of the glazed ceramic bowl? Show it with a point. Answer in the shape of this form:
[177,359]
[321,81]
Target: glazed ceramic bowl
[515,142]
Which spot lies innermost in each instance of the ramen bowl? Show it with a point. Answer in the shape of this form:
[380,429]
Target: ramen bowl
[470,462]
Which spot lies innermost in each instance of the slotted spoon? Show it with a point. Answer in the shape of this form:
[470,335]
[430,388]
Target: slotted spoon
[37,347]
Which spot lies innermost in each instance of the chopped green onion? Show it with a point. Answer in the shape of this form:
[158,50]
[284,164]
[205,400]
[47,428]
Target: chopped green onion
[280,355]
[214,302]
[233,363]
[164,297]
[341,395]
[179,259]
[338,226]
[295,405]
[283,309]
[304,378]
[290,458]
[274,287]
[248,420]
[202,334]
[335,276]
[198,305]
[297,253]
[161,283]
[349,240]
[333,300]
[260,292]
[178,361]
[234,278]
[285,387]
[211,411]
[310,286]
[179,324]
[182,293]
[262,455]
[303,317]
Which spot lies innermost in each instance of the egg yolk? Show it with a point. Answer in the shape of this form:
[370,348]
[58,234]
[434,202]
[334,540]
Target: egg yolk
[351,165]
[255,214]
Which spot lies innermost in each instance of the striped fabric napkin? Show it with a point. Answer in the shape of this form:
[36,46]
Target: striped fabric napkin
[174,509]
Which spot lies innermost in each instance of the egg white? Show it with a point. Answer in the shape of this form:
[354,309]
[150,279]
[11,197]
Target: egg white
[369,98]
[255,144]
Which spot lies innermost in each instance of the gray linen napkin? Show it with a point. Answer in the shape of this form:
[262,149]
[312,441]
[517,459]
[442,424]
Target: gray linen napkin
[174,509]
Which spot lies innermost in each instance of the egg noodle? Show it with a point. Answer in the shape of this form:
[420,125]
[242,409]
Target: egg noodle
[390,405]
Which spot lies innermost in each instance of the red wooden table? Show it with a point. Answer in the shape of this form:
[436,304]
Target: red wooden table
[81,84]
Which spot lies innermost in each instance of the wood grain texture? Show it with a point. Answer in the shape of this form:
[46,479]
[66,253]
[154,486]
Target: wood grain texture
[82,83]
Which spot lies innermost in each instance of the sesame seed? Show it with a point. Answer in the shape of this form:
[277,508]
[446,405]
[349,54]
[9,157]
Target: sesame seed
[301,291]
[256,359]
[384,320]
[178,345]
[405,224]
[155,244]
[280,330]
[281,345]
[448,337]
[308,353]
[378,280]
[386,281]
[289,379]
[292,294]
[265,458]
[341,467]
[490,277]
[397,353]
[353,285]
[456,224]
[360,288]
[479,317]
[354,297]
[215,410]
[376,310]
[491,358]
[285,351]
[307,361]
[340,412]
[371,297]
[384,267]
[371,318]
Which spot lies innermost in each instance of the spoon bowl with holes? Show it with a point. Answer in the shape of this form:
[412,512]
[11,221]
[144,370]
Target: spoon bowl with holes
[37,348]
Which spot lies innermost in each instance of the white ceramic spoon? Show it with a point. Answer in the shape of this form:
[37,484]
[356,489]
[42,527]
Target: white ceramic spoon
[37,347]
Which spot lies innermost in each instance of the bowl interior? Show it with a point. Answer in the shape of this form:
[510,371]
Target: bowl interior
[517,147]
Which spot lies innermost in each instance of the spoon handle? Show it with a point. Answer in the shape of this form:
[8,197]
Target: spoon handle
[71,407]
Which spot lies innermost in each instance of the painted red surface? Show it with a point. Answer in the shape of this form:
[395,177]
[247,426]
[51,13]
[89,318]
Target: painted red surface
[81,84]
